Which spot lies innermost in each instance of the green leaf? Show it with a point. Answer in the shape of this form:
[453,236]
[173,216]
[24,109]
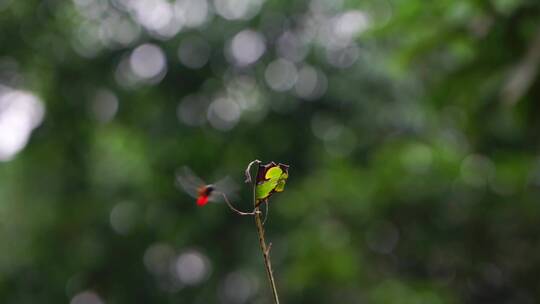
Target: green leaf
[281,182]
[275,178]
[265,189]
[273,173]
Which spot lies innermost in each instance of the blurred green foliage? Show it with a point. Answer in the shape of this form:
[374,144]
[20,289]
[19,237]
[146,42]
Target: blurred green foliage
[411,128]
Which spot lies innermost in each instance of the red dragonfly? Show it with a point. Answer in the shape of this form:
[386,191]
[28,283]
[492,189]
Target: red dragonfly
[203,192]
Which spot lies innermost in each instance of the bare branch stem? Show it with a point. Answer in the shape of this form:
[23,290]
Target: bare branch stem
[265,249]
[266,254]
[260,231]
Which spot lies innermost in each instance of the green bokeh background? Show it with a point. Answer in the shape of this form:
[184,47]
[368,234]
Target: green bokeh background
[414,178]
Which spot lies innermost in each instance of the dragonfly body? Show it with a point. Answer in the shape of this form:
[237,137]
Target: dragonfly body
[203,194]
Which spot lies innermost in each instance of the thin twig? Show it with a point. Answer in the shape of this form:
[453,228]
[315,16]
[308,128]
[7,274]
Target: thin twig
[266,256]
[236,210]
[248,174]
[260,231]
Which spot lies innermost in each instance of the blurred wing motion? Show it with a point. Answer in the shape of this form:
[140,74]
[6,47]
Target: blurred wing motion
[189,182]
[225,186]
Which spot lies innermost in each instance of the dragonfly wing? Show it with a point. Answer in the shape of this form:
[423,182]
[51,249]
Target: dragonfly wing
[216,197]
[188,181]
[225,186]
